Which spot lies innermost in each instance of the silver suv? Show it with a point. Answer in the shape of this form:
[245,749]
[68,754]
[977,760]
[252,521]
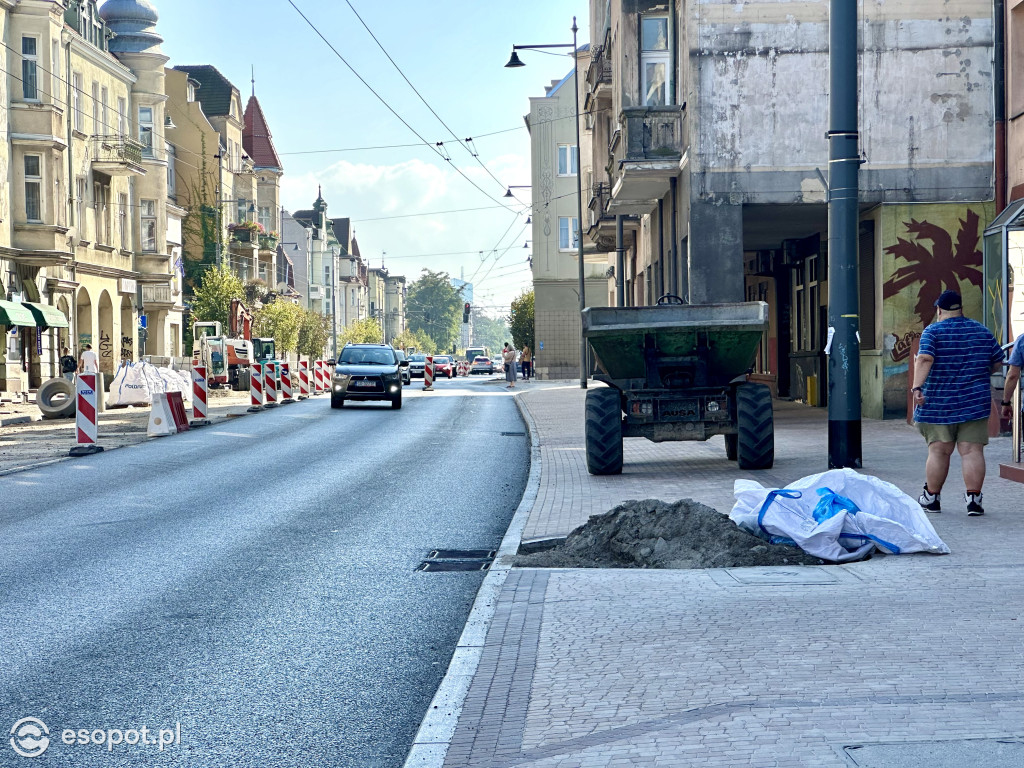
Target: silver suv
[367,372]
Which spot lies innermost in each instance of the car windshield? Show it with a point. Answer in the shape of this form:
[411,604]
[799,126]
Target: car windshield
[417,358]
[358,356]
[442,360]
[481,360]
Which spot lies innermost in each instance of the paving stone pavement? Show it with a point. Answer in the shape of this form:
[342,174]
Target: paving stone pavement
[747,666]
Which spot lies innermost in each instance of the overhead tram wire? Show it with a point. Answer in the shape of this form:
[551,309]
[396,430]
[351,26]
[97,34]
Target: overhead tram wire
[420,95]
[388,106]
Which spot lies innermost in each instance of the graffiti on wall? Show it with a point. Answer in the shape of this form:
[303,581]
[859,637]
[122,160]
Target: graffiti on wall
[127,348]
[106,347]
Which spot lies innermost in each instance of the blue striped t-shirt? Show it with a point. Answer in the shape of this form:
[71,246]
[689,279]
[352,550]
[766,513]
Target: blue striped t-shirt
[958,387]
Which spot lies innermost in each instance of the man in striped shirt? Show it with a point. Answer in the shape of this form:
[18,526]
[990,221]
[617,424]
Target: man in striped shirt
[953,398]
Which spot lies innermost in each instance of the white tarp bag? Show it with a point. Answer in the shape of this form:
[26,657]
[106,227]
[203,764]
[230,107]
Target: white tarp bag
[136,383]
[839,515]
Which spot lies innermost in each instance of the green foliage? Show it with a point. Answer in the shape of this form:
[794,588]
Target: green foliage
[281,321]
[414,340]
[256,291]
[366,331]
[434,307]
[520,320]
[314,334]
[488,332]
[213,295]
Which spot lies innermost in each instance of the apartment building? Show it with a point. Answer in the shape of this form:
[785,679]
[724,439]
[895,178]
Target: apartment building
[710,157]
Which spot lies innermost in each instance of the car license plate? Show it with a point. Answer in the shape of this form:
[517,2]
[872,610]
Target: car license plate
[363,383]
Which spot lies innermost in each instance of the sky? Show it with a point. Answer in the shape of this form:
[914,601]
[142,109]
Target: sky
[331,130]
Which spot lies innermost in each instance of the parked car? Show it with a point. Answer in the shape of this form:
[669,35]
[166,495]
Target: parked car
[406,378]
[367,372]
[444,366]
[481,365]
[416,363]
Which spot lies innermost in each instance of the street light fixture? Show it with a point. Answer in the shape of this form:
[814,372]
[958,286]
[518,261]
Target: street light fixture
[515,61]
[508,193]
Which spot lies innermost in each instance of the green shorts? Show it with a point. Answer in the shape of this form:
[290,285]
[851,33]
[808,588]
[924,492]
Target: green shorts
[965,432]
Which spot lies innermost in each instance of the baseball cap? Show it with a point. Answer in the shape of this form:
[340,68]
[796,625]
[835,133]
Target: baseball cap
[949,300]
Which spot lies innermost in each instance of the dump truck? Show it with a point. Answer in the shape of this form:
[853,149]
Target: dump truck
[677,372]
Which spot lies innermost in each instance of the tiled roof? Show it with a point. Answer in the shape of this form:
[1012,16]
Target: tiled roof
[214,91]
[256,140]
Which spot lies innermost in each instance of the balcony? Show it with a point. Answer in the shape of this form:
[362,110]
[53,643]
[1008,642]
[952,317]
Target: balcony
[599,78]
[117,156]
[601,224]
[645,152]
[157,296]
[268,243]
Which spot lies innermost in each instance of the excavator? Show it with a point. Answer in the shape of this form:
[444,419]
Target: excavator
[227,357]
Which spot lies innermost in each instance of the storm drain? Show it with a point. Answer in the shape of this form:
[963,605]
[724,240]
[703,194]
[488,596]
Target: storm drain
[458,560]
[513,434]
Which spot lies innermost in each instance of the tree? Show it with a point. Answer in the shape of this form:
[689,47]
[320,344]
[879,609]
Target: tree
[520,320]
[212,298]
[434,307]
[281,321]
[418,341]
[366,331]
[314,334]
[201,225]
[488,331]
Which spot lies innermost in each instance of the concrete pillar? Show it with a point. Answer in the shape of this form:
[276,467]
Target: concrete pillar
[715,253]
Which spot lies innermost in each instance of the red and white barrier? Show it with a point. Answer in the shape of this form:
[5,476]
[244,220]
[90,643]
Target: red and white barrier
[86,429]
[256,387]
[167,415]
[270,384]
[200,397]
[286,383]
[318,377]
[303,380]
[462,368]
[428,374]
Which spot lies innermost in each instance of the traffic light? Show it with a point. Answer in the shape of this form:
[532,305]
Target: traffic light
[465,313]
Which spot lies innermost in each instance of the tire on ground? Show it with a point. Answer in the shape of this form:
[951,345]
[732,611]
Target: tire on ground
[337,402]
[730,447]
[603,430]
[755,445]
[56,399]
[396,401]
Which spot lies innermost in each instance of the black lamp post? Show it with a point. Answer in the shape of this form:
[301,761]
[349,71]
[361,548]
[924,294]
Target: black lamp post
[515,61]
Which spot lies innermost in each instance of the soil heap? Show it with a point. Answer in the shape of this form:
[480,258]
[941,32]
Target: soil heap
[656,534]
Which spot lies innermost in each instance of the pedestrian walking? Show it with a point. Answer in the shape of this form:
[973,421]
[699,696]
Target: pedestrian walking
[527,358]
[68,364]
[1012,377]
[88,363]
[953,398]
[508,355]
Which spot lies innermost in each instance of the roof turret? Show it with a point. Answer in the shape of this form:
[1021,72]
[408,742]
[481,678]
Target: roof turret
[134,23]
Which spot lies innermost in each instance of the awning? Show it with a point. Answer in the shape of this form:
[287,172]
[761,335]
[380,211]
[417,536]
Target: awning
[46,315]
[15,313]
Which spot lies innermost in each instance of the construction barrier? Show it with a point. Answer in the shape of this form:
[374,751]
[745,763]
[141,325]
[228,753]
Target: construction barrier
[303,380]
[462,368]
[167,416]
[428,375]
[200,397]
[270,384]
[318,377]
[286,383]
[256,387]
[86,429]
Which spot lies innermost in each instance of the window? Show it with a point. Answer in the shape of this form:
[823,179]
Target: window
[146,130]
[76,101]
[568,160]
[30,67]
[327,275]
[33,188]
[105,110]
[172,183]
[122,220]
[264,218]
[55,71]
[148,208]
[97,128]
[122,116]
[567,225]
[654,61]
[191,91]
[101,217]
[80,193]
[242,210]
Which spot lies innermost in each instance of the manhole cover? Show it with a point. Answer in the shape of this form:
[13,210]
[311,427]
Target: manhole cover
[454,565]
[954,753]
[513,434]
[461,554]
[777,575]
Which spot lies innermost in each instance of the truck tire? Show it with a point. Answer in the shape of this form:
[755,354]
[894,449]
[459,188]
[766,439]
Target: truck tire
[755,444]
[56,399]
[603,430]
[730,447]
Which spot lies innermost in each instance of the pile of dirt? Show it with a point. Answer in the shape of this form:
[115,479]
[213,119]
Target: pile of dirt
[655,534]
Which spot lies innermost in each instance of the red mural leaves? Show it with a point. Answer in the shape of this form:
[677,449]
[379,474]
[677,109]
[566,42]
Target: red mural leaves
[942,267]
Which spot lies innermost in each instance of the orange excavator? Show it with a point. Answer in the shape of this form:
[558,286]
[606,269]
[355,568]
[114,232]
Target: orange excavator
[227,358]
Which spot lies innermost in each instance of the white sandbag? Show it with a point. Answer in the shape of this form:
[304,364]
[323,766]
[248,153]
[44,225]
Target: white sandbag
[130,386]
[838,515]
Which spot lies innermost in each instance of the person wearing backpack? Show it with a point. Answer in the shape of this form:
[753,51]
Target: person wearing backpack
[68,365]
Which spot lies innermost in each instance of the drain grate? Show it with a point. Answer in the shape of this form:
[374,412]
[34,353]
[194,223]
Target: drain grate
[458,560]
[513,434]
[454,565]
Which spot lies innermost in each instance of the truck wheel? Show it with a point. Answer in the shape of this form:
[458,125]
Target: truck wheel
[730,447]
[56,399]
[603,429]
[755,445]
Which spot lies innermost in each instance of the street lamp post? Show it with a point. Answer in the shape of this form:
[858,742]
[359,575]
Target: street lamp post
[515,61]
[334,304]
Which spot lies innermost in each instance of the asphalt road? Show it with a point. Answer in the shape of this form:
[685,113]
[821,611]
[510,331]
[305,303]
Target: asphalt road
[253,582]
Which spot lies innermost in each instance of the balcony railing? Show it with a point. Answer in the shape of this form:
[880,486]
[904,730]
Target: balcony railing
[156,294]
[651,134]
[600,70]
[117,149]
[268,243]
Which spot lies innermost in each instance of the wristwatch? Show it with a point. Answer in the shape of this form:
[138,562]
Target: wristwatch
[917,389]
[1005,403]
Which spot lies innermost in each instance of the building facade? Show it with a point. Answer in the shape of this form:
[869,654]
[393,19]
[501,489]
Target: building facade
[710,157]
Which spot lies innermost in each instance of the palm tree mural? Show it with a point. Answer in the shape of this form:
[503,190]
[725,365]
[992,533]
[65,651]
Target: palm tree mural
[940,268]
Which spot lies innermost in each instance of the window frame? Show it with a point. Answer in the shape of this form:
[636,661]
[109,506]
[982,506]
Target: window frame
[122,117]
[655,56]
[34,180]
[570,230]
[146,139]
[147,218]
[122,219]
[568,160]
[96,125]
[77,83]
[30,69]
[81,191]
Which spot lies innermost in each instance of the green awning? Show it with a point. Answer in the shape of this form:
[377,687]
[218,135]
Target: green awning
[15,313]
[47,316]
